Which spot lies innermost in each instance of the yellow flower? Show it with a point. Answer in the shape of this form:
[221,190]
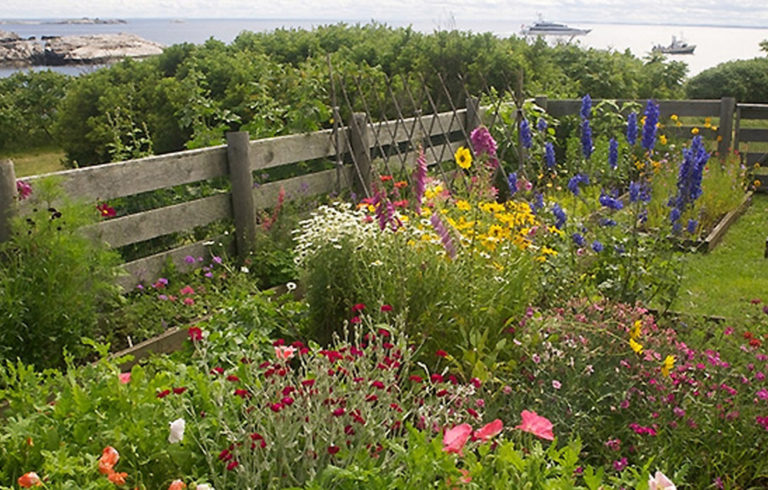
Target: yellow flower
[634,332]
[695,131]
[640,165]
[669,363]
[463,205]
[635,346]
[673,117]
[548,251]
[463,157]
[708,122]
[757,183]
[663,139]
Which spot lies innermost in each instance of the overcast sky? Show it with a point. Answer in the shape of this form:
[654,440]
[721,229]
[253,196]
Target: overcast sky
[716,12]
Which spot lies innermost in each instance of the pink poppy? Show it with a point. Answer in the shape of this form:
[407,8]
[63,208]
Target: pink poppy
[125,378]
[536,425]
[454,439]
[660,482]
[489,430]
[284,353]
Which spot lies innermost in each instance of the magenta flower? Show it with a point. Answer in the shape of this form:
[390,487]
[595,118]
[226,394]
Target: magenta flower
[23,189]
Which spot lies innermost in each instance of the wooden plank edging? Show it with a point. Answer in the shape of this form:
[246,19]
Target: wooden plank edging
[718,232]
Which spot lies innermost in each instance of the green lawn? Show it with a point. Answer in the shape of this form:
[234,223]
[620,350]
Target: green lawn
[36,161]
[722,282]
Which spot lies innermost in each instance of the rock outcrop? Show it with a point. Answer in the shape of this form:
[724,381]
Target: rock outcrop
[66,50]
[17,51]
[98,48]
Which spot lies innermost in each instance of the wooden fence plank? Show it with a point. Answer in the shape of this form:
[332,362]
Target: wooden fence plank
[148,269]
[753,111]
[162,221]
[265,196]
[753,158]
[754,135]
[131,177]
[391,132]
[282,150]
[435,154]
[682,108]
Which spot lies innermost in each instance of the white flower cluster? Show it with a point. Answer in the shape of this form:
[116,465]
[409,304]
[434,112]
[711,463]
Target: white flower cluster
[331,224]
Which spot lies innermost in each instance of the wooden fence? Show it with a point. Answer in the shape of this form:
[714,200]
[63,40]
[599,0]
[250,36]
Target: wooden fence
[348,146]
[238,159]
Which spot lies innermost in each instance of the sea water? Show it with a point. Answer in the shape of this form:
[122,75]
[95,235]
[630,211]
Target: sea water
[713,44]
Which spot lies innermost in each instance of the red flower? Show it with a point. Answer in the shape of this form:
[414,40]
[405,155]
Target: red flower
[278,342]
[163,394]
[217,370]
[385,178]
[378,384]
[385,308]
[232,465]
[536,425]
[333,449]
[416,378]
[476,382]
[358,307]
[225,455]
[106,210]
[287,401]
[436,378]
[355,320]
[455,438]
[179,390]
[338,412]
[242,393]
[441,353]
[371,398]
[308,382]
[401,184]
[489,430]
[348,430]
[233,378]
[276,407]
[195,334]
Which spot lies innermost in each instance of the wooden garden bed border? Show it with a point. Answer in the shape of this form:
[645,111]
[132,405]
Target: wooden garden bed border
[718,232]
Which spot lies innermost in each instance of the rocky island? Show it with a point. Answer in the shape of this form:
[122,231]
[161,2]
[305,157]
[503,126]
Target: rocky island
[79,49]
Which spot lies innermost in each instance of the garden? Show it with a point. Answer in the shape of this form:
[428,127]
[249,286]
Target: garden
[509,320]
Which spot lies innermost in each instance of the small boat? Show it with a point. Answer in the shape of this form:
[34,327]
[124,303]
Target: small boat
[677,46]
[545,28]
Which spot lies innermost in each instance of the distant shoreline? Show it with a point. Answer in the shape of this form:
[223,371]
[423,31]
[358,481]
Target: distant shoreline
[349,21]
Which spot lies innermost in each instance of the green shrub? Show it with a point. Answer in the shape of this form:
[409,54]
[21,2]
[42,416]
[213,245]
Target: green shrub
[747,80]
[53,281]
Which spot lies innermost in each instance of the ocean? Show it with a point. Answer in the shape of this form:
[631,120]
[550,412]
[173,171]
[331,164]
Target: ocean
[713,44]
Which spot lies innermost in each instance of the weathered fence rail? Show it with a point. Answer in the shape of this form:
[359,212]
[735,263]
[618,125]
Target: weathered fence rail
[352,148]
[237,160]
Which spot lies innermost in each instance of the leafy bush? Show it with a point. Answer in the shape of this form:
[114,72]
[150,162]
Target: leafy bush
[54,281]
[747,80]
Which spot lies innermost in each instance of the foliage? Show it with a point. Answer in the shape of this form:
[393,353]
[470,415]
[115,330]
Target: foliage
[29,107]
[746,80]
[54,281]
[279,82]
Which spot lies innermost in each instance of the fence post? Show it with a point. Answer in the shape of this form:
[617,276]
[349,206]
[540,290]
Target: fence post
[473,114]
[361,153]
[725,129]
[242,191]
[7,198]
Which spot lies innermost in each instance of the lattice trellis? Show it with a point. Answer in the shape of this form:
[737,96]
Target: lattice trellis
[388,119]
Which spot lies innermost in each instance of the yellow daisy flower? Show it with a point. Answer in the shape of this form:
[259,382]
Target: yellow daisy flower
[463,157]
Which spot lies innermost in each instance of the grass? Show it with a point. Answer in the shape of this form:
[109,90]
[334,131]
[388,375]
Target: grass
[723,282]
[36,161]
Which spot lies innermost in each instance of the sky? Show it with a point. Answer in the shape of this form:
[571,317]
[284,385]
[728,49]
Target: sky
[447,13]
